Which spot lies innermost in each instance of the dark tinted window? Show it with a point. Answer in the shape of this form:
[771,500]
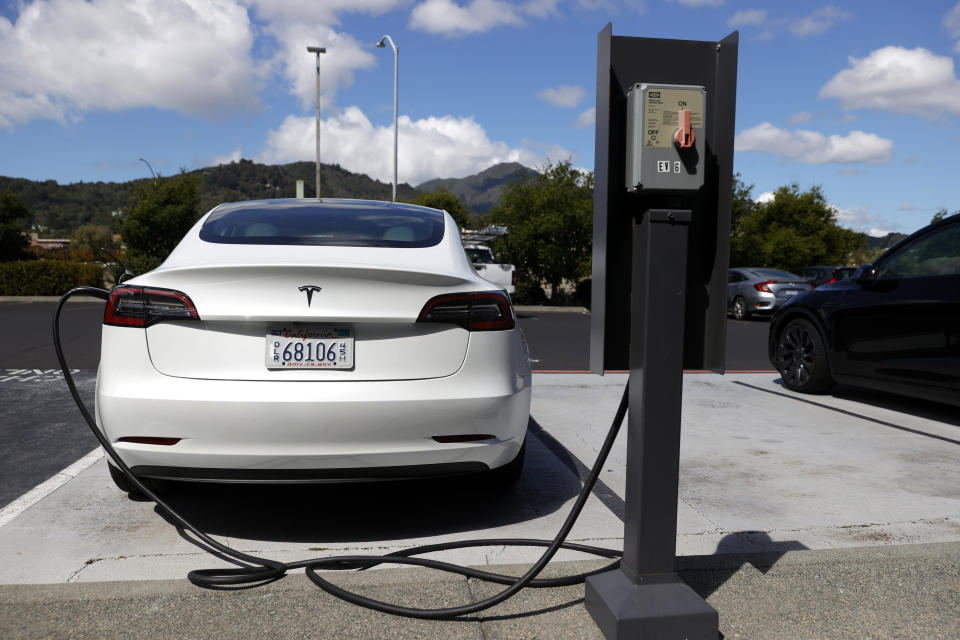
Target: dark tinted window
[934,254]
[340,225]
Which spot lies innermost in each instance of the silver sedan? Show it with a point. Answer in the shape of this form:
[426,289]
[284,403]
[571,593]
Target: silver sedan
[757,290]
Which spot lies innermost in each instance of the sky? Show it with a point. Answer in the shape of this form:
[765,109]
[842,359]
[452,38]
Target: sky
[860,98]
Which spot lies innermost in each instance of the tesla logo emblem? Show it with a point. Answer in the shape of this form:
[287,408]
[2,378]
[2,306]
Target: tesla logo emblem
[310,289]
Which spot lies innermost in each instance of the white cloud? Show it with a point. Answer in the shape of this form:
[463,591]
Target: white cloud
[566,95]
[898,79]
[860,219]
[766,196]
[344,56]
[234,156]
[63,57]
[812,147]
[700,3]
[906,205]
[800,118]
[951,22]
[435,147]
[612,6]
[818,21]
[449,18]
[748,18]
[586,119]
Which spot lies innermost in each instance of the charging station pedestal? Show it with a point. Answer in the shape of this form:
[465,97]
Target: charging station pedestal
[662,198]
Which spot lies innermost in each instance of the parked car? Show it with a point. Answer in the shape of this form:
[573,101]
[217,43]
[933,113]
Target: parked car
[893,326]
[753,290]
[314,340]
[824,275]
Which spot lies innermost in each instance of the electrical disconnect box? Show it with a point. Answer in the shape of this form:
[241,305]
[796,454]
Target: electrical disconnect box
[665,137]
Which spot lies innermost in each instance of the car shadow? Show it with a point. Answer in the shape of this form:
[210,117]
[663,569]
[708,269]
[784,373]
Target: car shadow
[917,407]
[358,512]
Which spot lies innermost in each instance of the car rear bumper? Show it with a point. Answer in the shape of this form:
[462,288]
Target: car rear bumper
[269,430]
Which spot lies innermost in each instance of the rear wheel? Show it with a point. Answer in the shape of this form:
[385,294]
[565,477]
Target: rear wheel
[124,484]
[802,358]
[739,309]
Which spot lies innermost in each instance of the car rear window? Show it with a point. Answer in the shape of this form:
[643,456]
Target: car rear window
[775,273]
[341,225]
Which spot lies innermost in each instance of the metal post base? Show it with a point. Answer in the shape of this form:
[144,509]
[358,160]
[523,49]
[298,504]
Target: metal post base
[661,609]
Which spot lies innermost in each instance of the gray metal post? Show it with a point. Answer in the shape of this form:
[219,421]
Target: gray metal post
[396,89]
[645,598]
[318,51]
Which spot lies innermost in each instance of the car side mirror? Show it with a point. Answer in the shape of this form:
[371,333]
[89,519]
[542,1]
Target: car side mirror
[865,273]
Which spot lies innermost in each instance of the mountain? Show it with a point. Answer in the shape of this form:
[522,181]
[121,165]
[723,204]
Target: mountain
[884,242]
[481,191]
[60,208]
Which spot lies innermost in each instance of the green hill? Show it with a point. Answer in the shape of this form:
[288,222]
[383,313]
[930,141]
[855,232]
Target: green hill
[60,208]
[482,191]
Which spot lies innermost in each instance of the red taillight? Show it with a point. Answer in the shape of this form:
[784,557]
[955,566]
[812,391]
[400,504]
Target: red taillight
[831,280]
[513,279]
[486,311]
[762,286]
[144,306]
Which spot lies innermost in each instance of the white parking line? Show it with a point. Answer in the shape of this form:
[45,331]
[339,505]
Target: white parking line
[47,487]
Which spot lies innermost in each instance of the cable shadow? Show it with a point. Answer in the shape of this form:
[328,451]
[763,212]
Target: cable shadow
[706,574]
[363,512]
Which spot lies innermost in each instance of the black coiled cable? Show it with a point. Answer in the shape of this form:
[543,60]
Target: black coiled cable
[254,571]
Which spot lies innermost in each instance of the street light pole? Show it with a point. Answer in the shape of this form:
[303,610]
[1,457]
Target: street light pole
[318,51]
[152,172]
[396,56]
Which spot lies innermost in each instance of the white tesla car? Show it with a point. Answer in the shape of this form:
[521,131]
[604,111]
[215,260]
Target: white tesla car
[314,340]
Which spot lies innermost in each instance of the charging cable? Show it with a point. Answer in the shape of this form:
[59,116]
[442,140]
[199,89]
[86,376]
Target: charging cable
[255,571]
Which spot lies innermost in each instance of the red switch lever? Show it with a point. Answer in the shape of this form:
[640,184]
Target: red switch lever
[684,135]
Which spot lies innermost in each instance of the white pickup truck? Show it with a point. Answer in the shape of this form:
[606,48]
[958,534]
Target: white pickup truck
[504,276]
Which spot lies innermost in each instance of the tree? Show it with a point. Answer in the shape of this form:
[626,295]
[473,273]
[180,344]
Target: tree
[13,212]
[792,230]
[444,199]
[89,239]
[163,211]
[943,213]
[550,218]
[742,206]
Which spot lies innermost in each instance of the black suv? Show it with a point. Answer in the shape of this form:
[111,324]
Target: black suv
[893,326]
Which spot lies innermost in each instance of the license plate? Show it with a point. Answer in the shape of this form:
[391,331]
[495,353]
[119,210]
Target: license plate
[790,292]
[309,347]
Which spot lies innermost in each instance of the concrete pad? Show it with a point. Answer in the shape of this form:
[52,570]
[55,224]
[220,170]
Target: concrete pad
[760,471]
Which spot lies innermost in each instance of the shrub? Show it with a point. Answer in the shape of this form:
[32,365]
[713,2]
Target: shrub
[47,277]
